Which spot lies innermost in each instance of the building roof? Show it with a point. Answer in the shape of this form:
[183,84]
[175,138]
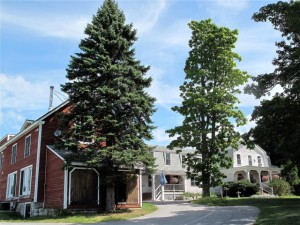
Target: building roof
[33,125]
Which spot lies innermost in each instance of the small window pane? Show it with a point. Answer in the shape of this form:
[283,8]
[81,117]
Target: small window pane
[238,159]
[27,146]
[250,160]
[168,159]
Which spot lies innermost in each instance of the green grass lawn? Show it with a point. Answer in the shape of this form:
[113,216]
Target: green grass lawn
[94,218]
[273,211]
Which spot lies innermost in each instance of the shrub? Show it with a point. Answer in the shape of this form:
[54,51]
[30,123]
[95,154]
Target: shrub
[245,188]
[281,187]
[189,195]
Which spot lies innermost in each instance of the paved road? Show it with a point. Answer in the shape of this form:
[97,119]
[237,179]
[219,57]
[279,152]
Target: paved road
[174,213]
[191,214]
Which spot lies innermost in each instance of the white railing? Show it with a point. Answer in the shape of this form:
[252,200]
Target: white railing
[157,192]
[174,187]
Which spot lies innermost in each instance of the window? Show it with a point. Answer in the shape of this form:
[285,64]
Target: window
[25,180]
[14,154]
[250,160]
[183,160]
[168,158]
[238,159]
[1,161]
[259,161]
[149,181]
[27,146]
[11,185]
[194,182]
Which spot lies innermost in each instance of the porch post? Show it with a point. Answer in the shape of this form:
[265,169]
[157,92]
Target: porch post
[270,175]
[65,188]
[162,192]
[259,178]
[141,188]
[153,187]
[248,175]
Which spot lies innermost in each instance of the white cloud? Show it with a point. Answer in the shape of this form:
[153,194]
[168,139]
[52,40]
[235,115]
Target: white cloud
[17,93]
[259,38]
[245,128]
[62,26]
[160,136]
[164,93]
[178,34]
[148,16]
[232,4]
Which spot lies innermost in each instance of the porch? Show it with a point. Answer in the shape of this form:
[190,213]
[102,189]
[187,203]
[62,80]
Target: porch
[174,187]
[257,175]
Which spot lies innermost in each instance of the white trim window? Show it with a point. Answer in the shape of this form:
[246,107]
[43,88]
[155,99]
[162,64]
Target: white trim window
[27,146]
[194,182]
[1,160]
[250,160]
[183,160]
[168,158]
[25,180]
[259,160]
[11,185]
[238,159]
[14,154]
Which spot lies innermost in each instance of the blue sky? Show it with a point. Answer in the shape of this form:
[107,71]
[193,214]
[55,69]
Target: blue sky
[38,37]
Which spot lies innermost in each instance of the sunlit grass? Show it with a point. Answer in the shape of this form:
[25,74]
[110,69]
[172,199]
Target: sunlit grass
[83,218]
[273,211]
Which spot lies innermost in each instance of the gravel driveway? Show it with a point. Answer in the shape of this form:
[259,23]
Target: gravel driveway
[183,213]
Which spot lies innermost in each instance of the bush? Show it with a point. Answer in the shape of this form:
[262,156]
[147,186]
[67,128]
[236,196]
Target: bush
[245,188]
[189,195]
[281,187]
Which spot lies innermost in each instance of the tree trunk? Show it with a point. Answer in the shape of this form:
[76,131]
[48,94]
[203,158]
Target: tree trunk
[206,185]
[110,198]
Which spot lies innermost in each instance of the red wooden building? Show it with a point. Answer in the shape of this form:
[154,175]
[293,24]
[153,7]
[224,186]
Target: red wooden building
[35,181]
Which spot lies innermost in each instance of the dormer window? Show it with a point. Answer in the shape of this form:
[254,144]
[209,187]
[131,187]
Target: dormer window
[238,159]
[167,158]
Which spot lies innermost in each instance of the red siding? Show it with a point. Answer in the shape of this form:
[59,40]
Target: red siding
[54,197]
[48,138]
[21,162]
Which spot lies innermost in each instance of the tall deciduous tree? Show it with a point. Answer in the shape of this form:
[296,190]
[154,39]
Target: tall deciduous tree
[110,110]
[278,119]
[208,105]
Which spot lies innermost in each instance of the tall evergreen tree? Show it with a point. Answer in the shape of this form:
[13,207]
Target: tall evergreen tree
[110,110]
[208,104]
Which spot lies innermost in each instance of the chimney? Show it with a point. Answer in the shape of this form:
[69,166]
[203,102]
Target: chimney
[51,98]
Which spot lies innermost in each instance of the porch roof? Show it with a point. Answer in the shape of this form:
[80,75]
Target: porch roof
[256,168]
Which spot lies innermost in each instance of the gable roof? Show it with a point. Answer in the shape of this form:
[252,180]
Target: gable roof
[26,124]
[33,124]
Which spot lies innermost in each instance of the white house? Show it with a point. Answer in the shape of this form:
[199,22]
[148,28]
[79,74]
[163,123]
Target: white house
[248,164]
[172,165]
[253,165]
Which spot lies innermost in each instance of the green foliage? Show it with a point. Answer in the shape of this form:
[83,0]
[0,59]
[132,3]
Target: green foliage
[291,174]
[278,119]
[211,201]
[110,112]
[281,187]
[193,195]
[208,105]
[245,188]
